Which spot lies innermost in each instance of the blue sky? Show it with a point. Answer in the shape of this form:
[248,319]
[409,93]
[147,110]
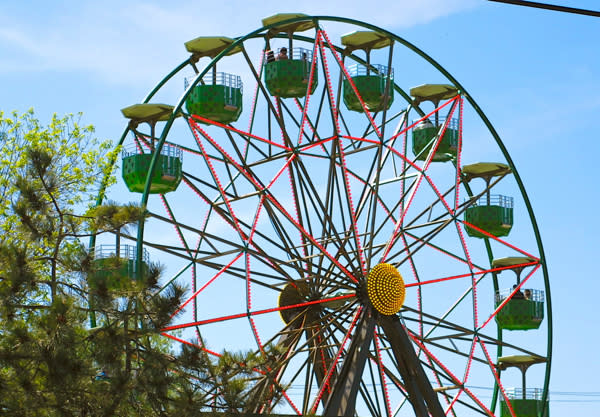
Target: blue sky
[535,73]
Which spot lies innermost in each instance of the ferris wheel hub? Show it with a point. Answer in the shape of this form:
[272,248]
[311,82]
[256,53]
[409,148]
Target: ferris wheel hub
[294,292]
[385,289]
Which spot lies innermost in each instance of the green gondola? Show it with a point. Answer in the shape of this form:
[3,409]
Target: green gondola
[114,268]
[288,74]
[218,95]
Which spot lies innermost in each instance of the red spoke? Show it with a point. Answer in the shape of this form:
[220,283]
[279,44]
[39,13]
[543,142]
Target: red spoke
[478,401]
[404,209]
[351,207]
[439,195]
[194,304]
[200,237]
[472,226]
[427,116]
[458,153]
[258,211]
[320,341]
[329,88]
[256,336]
[177,339]
[281,209]
[367,140]
[257,312]
[454,400]
[317,143]
[283,168]
[351,82]
[233,129]
[315,133]
[210,352]
[210,281]
[382,375]
[496,376]
[308,92]
[249,298]
[485,271]
[291,403]
[418,281]
[216,178]
[434,358]
[473,280]
[469,362]
[255,97]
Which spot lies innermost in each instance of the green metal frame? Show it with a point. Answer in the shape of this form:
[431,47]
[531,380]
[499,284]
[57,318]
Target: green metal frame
[261,33]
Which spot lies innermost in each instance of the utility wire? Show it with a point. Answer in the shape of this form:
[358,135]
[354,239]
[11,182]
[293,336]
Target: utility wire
[550,7]
[577,396]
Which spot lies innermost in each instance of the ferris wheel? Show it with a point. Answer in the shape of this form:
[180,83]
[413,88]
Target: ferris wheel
[317,184]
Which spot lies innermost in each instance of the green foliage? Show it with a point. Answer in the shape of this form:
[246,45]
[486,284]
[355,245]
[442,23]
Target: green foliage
[51,362]
[64,148]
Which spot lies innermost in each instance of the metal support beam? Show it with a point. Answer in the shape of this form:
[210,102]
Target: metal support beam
[342,401]
[420,392]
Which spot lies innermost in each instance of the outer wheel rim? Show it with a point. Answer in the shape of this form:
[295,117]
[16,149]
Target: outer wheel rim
[319,19]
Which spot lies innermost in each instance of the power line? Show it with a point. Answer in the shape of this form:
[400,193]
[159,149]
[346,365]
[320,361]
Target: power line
[550,7]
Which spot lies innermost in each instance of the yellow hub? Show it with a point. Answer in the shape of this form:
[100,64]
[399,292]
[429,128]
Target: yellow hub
[385,289]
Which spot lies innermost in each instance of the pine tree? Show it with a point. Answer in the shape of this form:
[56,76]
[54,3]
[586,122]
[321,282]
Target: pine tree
[51,362]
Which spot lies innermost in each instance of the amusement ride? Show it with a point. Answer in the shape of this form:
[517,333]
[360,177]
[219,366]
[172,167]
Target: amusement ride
[318,184]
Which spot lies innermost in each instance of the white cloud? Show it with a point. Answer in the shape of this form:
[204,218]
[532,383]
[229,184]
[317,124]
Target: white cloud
[140,42]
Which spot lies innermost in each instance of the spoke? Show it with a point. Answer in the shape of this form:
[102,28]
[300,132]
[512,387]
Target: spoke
[335,361]
[487,234]
[256,313]
[386,394]
[328,86]
[410,198]
[350,81]
[210,281]
[373,184]
[496,376]
[288,341]
[270,260]
[216,179]
[284,212]
[272,110]
[255,97]
[351,208]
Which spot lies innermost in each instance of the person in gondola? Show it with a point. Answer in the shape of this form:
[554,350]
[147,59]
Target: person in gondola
[282,54]
[518,294]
